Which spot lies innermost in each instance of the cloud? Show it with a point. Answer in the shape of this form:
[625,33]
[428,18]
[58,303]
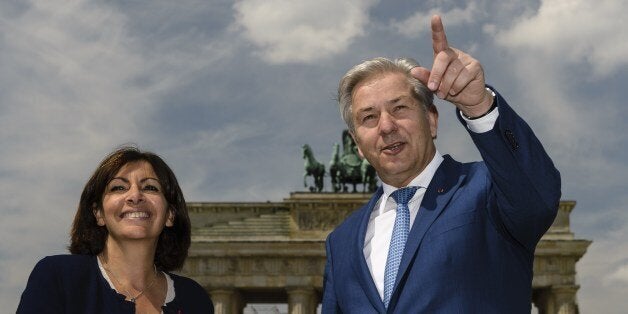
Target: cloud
[416,25]
[210,147]
[75,72]
[75,76]
[287,31]
[559,57]
[620,275]
[576,31]
[603,271]
[76,81]
[579,138]
[63,98]
[185,80]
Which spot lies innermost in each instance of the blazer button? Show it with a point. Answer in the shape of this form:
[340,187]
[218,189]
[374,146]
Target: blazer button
[510,137]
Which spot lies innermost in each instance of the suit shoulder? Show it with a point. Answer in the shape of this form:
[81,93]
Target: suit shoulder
[449,161]
[476,173]
[476,167]
[473,168]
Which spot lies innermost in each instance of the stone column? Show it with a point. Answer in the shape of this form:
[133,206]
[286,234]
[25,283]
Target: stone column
[558,299]
[565,299]
[302,300]
[543,300]
[226,301]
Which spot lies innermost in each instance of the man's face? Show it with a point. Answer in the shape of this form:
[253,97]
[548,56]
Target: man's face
[392,130]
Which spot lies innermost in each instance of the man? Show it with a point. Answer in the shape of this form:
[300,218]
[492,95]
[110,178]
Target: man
[459,238]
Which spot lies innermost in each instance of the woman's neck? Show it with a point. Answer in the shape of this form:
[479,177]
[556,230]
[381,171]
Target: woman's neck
[130,262]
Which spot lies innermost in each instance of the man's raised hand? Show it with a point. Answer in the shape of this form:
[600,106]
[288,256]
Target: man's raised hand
[455,76]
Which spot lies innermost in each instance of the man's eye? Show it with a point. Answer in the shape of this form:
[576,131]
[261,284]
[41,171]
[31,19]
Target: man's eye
[368,117]
[400,107]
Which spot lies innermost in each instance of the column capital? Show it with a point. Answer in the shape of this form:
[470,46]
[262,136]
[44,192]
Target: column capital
[302,300]
[226,300]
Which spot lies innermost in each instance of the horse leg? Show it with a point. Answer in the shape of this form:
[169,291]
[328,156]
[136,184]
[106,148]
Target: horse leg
[321,176]
[316,182]
[320,184]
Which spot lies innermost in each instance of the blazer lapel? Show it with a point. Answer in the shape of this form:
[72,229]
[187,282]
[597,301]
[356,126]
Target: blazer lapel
[366,280]
[444,184]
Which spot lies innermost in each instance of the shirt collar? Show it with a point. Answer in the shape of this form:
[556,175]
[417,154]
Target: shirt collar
[422,180]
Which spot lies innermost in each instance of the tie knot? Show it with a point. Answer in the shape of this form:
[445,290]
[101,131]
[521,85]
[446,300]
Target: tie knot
[403,195]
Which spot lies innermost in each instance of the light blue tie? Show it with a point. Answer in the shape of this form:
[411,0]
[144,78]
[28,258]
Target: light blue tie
[398,240]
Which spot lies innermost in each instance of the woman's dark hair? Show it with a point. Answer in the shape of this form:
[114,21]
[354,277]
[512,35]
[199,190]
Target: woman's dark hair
[87,237]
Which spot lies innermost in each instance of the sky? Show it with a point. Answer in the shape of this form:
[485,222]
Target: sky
[227,92]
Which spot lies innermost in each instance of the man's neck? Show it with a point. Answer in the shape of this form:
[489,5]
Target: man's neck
[421,179]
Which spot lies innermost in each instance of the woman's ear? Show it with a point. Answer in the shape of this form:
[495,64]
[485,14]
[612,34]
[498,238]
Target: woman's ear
[100,220]
[170,220]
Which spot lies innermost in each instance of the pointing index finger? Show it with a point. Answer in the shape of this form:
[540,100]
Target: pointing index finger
[439,39]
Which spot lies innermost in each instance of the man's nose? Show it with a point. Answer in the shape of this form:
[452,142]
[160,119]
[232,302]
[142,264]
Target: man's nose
[387,123]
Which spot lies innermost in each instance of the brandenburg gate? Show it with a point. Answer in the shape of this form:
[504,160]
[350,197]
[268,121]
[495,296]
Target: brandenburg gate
[274,252]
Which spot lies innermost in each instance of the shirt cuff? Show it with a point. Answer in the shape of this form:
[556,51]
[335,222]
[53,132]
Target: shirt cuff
[483,124]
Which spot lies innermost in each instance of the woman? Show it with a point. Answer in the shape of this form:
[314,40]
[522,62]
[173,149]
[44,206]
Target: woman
[131,228]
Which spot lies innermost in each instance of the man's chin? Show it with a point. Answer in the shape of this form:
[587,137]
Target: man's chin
[395,173]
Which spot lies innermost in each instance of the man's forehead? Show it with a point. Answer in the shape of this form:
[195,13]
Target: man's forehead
[382,89]
[372,105]
[377,76]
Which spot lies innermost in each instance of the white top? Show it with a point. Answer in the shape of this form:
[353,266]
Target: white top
[382,220]
[169,294]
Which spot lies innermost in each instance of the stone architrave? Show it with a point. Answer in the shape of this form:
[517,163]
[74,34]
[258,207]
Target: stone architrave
[274,252]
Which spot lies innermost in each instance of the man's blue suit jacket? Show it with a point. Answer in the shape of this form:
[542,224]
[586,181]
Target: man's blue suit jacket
[471,247]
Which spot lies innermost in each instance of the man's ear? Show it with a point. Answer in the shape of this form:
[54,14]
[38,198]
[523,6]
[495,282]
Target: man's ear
[100,220]
[170,220]
[356,144]
[360,152]
[432,118]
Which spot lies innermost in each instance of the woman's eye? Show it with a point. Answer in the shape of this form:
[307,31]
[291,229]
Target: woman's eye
[116,188]
[151,188]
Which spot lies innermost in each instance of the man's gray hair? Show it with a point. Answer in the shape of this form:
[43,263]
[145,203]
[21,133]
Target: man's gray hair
[377,66]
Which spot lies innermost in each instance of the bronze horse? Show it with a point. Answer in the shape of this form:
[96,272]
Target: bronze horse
[350,169]
[369,177]
[313,168]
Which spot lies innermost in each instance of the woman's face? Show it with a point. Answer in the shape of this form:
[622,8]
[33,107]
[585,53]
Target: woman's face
[133,204]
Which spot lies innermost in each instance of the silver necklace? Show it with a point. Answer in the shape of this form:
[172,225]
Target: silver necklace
[128,294]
